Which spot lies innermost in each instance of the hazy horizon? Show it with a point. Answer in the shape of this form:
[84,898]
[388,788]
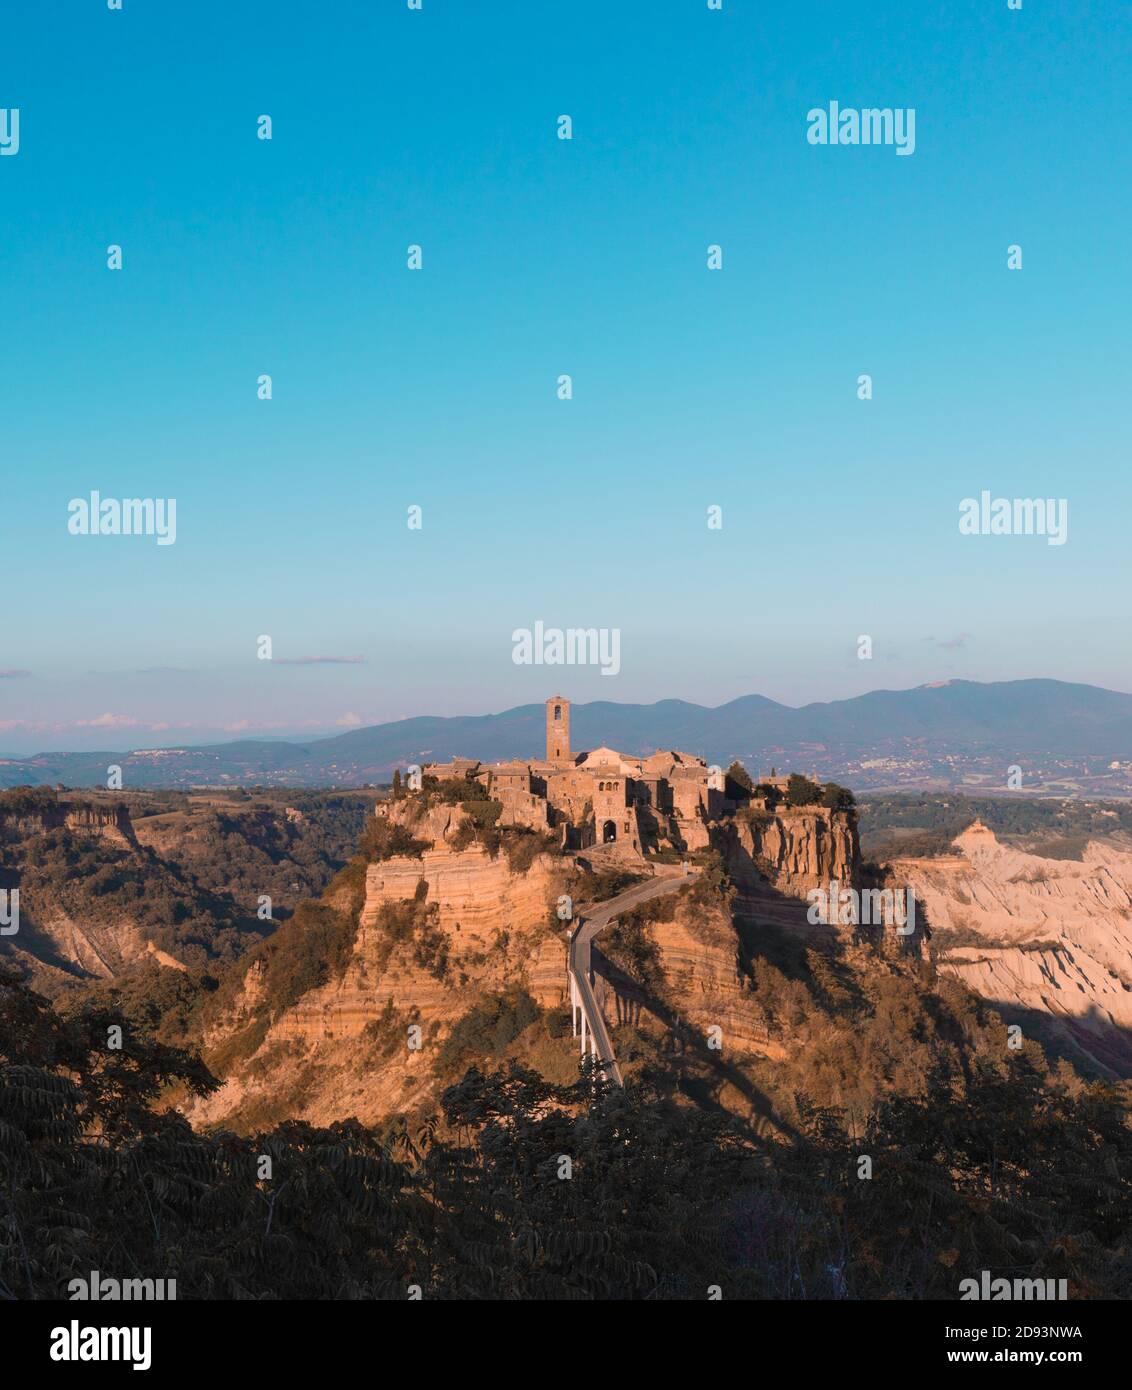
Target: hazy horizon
[89,741]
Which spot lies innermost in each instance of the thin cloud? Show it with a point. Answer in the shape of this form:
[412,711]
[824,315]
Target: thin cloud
[12,673]
[320,661]
[241,726]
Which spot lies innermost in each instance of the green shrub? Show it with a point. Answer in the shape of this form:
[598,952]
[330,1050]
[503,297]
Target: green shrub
[482,813]
[452,791]
[487,1029]
[28,801]
[523,847]
[384,839]
[606,884]
[308,951]
[464,834]
[837,798]
[800,791]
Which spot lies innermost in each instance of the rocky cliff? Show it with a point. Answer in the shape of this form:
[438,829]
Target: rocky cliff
[475,926]
[107,820]
[693,980]
[449,925]
[794,850]
[436,933]
[1048,939]
[63,935]
[108,885]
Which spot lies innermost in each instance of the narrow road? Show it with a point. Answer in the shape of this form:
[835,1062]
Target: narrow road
[668,879]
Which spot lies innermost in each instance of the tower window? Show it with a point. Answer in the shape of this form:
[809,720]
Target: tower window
[558,711]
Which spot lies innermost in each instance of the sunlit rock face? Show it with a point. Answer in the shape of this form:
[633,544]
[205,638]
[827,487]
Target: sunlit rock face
[1049,938]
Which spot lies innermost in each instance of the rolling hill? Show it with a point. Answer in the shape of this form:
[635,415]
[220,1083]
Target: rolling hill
[964,719]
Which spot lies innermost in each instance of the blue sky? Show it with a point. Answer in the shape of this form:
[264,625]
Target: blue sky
[692,388]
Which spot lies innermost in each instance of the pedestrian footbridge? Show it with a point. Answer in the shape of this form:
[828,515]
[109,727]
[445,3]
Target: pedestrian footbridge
[587,989]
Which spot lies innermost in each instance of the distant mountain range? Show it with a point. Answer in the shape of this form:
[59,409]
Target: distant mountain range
[932,724]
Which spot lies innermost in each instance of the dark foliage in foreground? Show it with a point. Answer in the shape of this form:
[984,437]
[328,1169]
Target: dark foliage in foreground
[661,1200]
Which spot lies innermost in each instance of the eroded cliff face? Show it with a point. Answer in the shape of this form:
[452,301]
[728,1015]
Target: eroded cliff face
[56,943]
[478,928]
[443,929]
[794,850]
[773,861]
[97,950]
[480,903]
[110,821]
[698,983]
[435,935]
[1047,938]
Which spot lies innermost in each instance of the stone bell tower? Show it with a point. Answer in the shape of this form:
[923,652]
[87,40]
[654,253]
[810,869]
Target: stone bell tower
[557,730]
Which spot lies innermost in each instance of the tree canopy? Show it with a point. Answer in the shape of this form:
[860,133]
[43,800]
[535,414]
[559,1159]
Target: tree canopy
[519,1188]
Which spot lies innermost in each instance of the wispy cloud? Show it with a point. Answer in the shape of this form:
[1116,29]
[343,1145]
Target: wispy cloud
[349,720]
[103,721]
[320,661]
[12,673]
[109,721]
[241,726]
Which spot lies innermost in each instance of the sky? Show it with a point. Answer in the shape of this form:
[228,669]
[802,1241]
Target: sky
[437,388]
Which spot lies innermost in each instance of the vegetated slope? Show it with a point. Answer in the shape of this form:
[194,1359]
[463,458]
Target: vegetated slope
[131,890]
[430,949]
[921,824]
[430,954]
[872,1137]
[806,1115]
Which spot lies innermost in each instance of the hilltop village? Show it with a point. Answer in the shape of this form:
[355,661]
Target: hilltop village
[605,797]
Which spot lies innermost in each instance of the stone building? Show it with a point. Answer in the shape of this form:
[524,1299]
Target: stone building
[557,729]
[603,796]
